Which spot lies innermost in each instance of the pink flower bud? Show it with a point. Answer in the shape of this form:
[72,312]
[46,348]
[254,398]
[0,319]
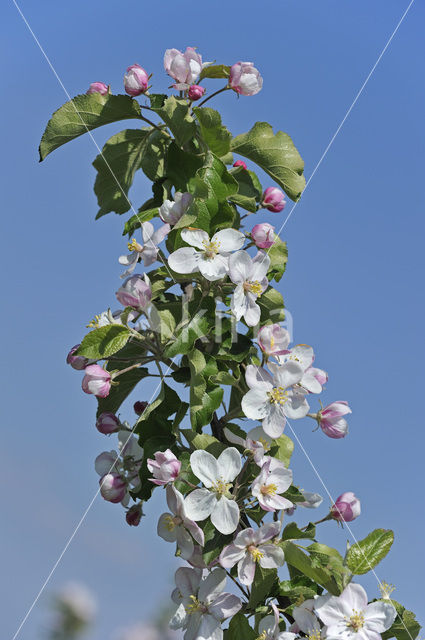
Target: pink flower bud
[263,235]
[245,79]
[136,80]
[273,199]
[195,92]
[96,381]
[273,340]
[240,163]
[107,423]
[139,407]
[98,87]
[320,375]
[134,515]
[331,421]
[77,362]
[165,468]
[112,487]
[135,292]
[346,507]
[183,67]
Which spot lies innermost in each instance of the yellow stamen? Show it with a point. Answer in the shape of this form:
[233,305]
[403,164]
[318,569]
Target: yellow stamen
[93,324]
[253,286]
[278,395]
[263,636]
[222,488]
[256,554]
[386,589]
[194,606]
[356,621]
[269,489]
[170,523]
[265,444]
[314,635]
[210,248]
[134,246]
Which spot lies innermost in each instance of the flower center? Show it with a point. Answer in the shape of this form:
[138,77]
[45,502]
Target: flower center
[256,554]
[278,395]
[195,606]
[269,489]
[263,636]
[253,286]
[171,523]
[210,249]
[314,635]
[356,621]
[264,444]
[134,246]
[386,589]
[222,488]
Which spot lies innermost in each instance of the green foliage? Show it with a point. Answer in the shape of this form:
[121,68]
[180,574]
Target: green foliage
[363,556]
[135,221]
[278,254]
[215,71]
[276,154]
[405,626]
[298,586]
[104,341]
[249,189]
[216,135]
[119,391]
[175,114]
[239,629]
[205,398]
[264,586]
[282,449]
[85,113]
[272,306]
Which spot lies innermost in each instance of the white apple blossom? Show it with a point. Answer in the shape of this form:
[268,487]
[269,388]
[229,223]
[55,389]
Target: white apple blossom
[148,252]
[210,257]
[172,210]
[350,617]
[273,398]
[274,479]
[215,500]
[251,547]
[257,442]
[269,627]
[176,527]
[202,604]
[303,354]
[249,274]
[306,621]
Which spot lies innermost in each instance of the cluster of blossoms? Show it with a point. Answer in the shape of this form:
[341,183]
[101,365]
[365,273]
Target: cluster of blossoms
[238,493]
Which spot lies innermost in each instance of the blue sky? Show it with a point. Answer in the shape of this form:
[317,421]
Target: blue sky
[353,283]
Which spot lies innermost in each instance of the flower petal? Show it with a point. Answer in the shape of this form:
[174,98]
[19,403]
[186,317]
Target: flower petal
[164,530]
[231,555]
[205,467]
[213,268]
[258,377]
[209,629]
[255,405]
[187,581]
[184,260]
[195,237]
[379,616]
[229,464]
[225,515]
[240,267]
[184,542]
[199,504]
[260,264]
[246,569]
[273,556]
[229,239]
[288,374]
[212,586]
[225,606]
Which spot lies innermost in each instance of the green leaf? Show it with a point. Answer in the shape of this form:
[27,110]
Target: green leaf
[186,336]
[282,449]
[157,99]
[204,398]
[204,441]
[298,586]
[272,306]
[292,532]
[278,254]
[276,154]
[249,189]
[239,628]
[119,392]
[116,166]
[175,113]
[405,626]
[264,585]
[167,324]
[104,341]
[182,166]
[363,556]
[154,156]
[135,221]
[215,134]
[296,557]
[84,113]
[215,71]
